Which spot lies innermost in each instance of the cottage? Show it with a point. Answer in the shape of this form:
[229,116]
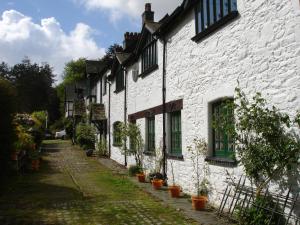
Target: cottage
[172,76]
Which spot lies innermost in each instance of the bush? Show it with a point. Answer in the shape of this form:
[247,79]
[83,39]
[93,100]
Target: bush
[133,170]
[102,147]
[7,131]
[85,136]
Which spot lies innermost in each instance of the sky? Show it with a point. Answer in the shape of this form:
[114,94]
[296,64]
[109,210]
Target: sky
[57,31]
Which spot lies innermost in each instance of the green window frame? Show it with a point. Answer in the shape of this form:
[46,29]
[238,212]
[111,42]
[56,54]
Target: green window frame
[222,143]
[104,86]
[175,133]
[209,12]
[149,54]
[116,134]
[150,134]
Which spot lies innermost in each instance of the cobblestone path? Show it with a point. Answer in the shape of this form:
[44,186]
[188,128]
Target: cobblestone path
[73,189]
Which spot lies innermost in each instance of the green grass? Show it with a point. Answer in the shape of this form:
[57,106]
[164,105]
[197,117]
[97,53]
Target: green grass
[73,189]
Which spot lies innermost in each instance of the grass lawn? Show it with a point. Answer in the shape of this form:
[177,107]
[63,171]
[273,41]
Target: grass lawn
[73,189]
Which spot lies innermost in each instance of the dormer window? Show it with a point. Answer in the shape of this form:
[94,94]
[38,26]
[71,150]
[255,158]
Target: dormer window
[149,54]
[212,14]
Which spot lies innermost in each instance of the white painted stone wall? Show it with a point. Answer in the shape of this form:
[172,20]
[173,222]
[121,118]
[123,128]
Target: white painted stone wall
[260,49]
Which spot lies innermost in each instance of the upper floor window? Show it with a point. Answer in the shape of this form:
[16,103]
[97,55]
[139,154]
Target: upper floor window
[120,79]
[149,54]
[209,12]
[104,85]
[222,142]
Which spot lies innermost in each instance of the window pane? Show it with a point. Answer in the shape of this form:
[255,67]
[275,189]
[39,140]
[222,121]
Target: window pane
[205,14]
[233,5]
[211,12]
[218,9]
[199,17]
[225,7]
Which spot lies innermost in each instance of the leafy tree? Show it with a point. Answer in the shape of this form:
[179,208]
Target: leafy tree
[110,53]
[74,71]
[266,140]
[7,132]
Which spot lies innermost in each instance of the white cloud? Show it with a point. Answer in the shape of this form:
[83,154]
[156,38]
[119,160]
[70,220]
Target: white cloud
[131,8]
[44,42]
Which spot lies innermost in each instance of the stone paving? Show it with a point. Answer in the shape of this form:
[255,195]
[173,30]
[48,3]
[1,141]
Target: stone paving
[74,189]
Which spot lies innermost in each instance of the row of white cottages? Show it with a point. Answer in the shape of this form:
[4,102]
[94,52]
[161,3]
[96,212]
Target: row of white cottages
[171,77]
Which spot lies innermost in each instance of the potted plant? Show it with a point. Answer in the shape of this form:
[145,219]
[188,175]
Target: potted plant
[156,178]
[202,184]
[174,189]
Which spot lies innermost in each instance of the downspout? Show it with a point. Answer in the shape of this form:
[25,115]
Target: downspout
[109,138]
[125,115]
[101,83]
[164,152]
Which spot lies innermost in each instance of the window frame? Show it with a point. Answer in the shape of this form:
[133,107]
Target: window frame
[104,85]
[150,134]
[209,23]
[223,138]
[120,79]
[149,56]
[177,150]
[117,141]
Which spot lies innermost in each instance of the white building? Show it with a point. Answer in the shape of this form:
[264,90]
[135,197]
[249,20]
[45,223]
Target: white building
[196,56]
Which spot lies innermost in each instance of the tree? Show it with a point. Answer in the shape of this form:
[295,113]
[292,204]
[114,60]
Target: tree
[265,142]
[110,54]
[7,132]
[74,71]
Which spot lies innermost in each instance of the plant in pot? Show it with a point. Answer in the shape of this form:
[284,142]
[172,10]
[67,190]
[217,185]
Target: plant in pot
[174,189]
[132,132]
[156,178]
[197,152]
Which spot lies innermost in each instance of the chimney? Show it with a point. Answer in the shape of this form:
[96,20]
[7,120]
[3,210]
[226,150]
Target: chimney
[130,39]
[148,15]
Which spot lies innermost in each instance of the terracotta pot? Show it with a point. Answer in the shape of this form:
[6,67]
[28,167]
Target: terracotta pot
[141,177]
[14,156]
[174,191]
[157,183]
[199,202]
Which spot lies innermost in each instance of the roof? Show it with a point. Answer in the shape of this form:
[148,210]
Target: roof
[122,57]
[94,67]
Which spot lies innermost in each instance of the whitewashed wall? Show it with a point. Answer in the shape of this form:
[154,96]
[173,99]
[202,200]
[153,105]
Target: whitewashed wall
[261,49]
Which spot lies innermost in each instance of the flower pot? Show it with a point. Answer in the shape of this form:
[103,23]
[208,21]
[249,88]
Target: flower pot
[199,202]
[174,191]
[141,177]
[35,164]
[14,156]
[157,183]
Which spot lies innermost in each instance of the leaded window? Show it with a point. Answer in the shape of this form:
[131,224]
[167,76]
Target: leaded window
[222,142]
[175,130]
[209,12]
[149,54]
[150,132]
[119,79]
[117,140]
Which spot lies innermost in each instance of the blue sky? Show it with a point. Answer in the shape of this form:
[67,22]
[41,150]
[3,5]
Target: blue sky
[57,31]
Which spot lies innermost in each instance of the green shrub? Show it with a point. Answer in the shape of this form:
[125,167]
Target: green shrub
[102,147]
[85,136]
[134,169]
[68,125]
[7,130]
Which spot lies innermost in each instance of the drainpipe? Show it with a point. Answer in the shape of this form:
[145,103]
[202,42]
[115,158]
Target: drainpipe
[164,152]
[108,122]
[125,114]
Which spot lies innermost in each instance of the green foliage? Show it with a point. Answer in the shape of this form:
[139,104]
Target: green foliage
[197,153]
[101,147]
[134,169]
[132,132]
[7,132]
[68,125]
[74,71]
[260,213]
[85,136]
[264,139]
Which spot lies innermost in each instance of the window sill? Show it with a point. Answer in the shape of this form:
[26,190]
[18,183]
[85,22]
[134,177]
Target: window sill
[118,91]
[226,162]
[175,157]
[149,153]
[231,16]
[148,71]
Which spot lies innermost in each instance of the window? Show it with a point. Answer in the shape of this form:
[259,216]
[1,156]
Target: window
[222,143]
[150,132]
[116,133]
[119,79]
[104,85]
[175,133]
[209,12]
[149,54]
